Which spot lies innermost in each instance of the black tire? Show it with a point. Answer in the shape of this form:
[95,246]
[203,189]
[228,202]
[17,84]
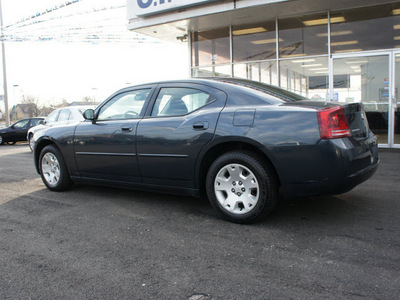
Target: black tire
[1,140]
[56,178]
[260,182]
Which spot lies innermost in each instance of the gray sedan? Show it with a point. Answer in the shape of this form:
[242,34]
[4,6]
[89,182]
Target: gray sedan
[233,141]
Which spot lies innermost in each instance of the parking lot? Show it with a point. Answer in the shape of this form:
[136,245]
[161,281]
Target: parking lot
[103,243]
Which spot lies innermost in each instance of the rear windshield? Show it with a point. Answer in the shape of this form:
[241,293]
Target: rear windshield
[265,88]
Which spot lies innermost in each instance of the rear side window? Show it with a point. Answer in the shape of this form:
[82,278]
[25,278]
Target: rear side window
[64,115]
[52,117]
[179,101]
[35,122]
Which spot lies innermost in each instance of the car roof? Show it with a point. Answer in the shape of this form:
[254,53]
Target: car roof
[228,84]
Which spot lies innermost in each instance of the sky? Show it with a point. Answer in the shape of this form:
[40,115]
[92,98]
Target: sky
[54,57]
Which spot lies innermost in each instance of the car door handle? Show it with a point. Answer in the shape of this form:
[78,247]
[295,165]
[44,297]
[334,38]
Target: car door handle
[126,128]
[200,125]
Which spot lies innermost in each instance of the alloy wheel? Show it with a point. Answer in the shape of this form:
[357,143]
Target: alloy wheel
[51,169]
[236,188]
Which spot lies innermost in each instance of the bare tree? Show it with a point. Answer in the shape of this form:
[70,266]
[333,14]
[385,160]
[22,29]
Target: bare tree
[30,106]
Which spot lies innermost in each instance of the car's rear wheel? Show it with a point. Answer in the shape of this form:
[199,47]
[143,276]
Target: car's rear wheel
[53,169]
[241,187]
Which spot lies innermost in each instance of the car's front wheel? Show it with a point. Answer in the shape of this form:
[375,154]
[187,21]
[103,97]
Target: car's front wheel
[1,140]
[53,169]
[241,187]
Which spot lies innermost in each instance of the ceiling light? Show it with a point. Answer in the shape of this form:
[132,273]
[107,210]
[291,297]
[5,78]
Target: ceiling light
[343,43]
[357,62]
[249,31]
[397,26]
[312,65]
[267,41]
[396,11]
[318,69]
[348,50]
[396,38]
[323,21]
[324,72]
[335,33]
[303,60]
[293,55]
[338,19]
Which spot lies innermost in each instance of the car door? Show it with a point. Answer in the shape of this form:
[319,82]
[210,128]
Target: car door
[18,132]
[180,120]
[105,148]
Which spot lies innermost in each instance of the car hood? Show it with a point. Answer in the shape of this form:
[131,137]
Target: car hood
[37,128]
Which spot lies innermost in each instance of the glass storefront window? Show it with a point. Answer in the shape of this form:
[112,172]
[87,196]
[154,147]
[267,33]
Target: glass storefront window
[362,29]
[254,42]
[210,47]
[367,82]
[306,76]
[303,36]
[215,71]
[260,71]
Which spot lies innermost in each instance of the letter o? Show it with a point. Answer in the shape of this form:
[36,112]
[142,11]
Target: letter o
[144,3]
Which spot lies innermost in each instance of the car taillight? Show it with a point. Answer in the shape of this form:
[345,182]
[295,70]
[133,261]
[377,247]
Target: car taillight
[332,123]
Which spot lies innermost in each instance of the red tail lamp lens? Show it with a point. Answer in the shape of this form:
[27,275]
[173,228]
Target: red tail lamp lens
[332,123]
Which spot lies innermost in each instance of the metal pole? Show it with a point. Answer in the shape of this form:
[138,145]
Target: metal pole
[4,67]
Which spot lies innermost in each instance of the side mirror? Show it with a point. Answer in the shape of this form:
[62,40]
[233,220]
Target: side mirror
[89,114]
[42,122]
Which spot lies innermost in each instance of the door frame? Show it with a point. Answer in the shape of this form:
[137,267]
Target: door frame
[391,54]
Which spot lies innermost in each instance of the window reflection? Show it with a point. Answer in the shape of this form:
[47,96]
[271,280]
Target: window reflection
[306,76]
[210,47]
[259,71]
[217,71]
[254,42]
[302,36]
[368,28]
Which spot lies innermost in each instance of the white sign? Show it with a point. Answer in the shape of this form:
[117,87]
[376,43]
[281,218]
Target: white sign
[149,7]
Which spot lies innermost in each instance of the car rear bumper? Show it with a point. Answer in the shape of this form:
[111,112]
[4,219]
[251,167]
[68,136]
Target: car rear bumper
[335,167]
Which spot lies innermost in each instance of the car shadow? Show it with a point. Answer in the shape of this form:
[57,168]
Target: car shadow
[289,213]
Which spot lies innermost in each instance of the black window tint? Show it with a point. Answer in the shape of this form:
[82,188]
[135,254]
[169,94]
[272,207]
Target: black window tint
[35,122]
[21,124]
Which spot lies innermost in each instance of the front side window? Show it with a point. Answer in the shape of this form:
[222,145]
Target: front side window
[124,106]
[180,101]
[21,124]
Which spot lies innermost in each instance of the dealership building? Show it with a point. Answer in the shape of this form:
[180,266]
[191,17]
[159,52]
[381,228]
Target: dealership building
[345,51]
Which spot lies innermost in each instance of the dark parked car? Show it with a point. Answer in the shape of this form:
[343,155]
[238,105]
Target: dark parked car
[17,131]
[236,141]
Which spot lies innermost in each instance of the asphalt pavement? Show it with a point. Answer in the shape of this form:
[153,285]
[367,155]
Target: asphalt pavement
[103,243]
